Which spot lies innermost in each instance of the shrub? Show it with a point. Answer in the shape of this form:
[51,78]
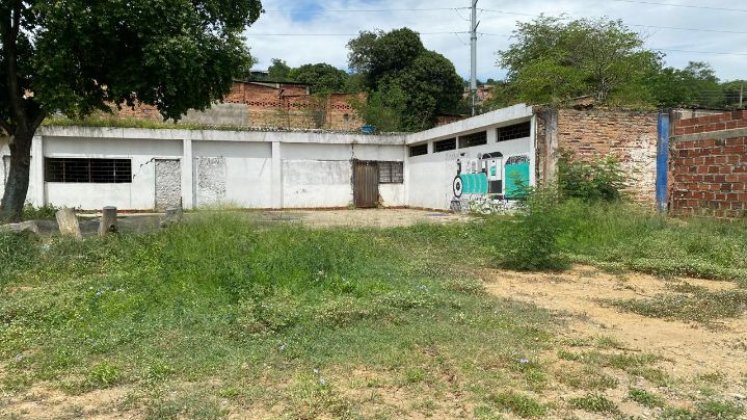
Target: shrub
[599,179]
[531,244]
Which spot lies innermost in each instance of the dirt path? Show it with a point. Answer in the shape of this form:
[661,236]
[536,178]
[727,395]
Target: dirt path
[689,349]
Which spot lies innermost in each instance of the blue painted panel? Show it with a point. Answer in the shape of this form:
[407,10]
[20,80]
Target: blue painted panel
[517,179]
[662,163]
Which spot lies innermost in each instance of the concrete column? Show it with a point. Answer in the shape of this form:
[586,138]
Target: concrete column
[37,188]
[188,198]
[551,146]
[533,151]
[277,176]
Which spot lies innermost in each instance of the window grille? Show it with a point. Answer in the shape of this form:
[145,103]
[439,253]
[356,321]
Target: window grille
[516,131]
[474,139]
[419,150]
[444,145]
[391,173]
[83,170]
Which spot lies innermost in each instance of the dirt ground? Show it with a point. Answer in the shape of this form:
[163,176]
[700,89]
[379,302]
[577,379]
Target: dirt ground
[688,350]
[381,218]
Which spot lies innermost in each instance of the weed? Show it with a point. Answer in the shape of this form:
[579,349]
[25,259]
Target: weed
[594,403]
[702,306]
[104,375]
[519,404]
[715,409]
[677,413]
[587,378]
[645,398]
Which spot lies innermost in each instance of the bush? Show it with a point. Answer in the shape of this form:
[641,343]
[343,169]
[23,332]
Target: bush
[531,244]
[599,179]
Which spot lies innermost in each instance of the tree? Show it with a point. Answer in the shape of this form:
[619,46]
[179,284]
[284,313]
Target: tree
[694,86]
[403,78]
[77,56]
[279,71]
[322,78]
[553,60]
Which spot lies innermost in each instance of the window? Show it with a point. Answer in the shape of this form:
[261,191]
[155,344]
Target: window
[391,173]
[474,139]
[101,171]
[444,145]
[516,131]
[419,150]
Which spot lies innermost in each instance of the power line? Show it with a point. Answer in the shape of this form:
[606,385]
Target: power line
[724,9]
[429,9]
[298,34]
[726,31]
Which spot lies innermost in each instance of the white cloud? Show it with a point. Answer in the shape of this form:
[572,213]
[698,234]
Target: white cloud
[313,19]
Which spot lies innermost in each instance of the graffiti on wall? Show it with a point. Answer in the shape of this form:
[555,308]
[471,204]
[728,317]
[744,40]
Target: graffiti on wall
[486,181]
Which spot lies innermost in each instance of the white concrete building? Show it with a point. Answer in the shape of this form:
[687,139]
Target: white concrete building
[143,169]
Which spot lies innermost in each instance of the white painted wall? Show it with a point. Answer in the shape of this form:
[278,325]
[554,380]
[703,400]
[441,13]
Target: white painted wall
[264,169]
[138,195]
[246,175]
[430,177]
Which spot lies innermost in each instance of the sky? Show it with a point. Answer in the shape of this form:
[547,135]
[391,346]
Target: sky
[307,31]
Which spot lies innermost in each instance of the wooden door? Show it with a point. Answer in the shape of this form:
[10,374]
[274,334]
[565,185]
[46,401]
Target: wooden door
[365,184]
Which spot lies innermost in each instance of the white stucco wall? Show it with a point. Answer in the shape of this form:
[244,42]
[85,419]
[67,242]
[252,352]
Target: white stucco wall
[245,177]
[430,177]
[138,195]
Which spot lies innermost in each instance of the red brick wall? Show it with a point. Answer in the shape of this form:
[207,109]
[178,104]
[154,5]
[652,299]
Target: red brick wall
[708,166]
[631,136]
[288,106]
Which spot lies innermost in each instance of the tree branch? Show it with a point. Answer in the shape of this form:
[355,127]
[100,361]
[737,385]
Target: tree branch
[10,35]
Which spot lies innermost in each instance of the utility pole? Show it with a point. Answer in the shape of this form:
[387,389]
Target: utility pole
[741,96]
[473,49]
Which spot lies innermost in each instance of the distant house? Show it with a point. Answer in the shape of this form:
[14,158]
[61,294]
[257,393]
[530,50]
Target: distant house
[270,104]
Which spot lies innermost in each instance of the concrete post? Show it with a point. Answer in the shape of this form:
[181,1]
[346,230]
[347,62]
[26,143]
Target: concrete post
[551,146]
[277,176]
[37,196]
[188,199]
[68,223]
[108,223]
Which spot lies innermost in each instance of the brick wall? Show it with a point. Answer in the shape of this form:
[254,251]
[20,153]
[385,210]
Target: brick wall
[278,105]
[708,166]
[631,136]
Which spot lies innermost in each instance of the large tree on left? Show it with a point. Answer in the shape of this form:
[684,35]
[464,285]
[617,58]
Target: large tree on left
[78,56]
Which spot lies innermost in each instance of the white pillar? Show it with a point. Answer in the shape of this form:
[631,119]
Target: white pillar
[533,151]
[277,176]
[37,185]
[187,175]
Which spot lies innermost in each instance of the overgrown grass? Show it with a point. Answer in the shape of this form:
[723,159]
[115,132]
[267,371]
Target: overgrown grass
[274,315]
[701,306]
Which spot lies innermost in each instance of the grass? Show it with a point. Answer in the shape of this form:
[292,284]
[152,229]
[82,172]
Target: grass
[645,398]
[595,403]
[221,313]
[701,306]
[273,315]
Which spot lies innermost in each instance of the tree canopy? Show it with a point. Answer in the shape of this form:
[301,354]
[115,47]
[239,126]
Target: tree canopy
[77,56]
[321,77]
[403,79]
[553,60]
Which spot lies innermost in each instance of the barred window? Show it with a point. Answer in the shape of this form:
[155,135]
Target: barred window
[82,170]
[444,145]
[474,139]
[391,173]
[419,150]
[516,131]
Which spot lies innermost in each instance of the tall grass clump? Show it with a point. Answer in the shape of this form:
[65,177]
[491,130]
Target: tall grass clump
[531,242]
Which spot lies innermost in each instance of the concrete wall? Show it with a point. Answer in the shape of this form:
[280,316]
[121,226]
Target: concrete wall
[430,178]
[708,166]
[247,169]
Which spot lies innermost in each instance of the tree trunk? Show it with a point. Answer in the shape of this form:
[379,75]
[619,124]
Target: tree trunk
[17,186]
